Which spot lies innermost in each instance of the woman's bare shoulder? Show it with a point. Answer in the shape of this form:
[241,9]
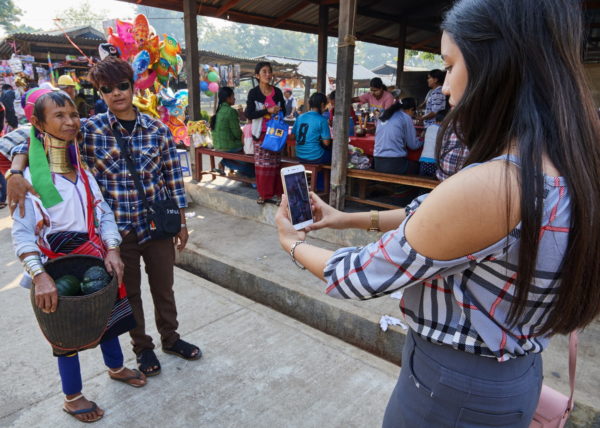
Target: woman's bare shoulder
[467,212]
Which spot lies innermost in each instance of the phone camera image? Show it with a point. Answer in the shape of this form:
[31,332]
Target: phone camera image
[298,197]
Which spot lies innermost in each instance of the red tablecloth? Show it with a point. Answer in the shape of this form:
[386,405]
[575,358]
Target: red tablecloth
[366,143]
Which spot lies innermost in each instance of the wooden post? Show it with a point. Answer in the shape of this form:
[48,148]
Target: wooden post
[192,67]
[307,85]
[343,97]
[401,48]
[322,49]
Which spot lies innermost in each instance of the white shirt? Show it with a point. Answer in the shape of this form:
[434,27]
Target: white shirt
[428,153]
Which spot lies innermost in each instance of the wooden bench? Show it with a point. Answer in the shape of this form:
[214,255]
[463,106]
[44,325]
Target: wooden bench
[365,175]
[312,169]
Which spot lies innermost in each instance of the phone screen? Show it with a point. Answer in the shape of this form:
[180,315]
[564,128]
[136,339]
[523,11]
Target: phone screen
[298,197]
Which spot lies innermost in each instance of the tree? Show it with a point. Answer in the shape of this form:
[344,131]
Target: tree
[9,15]
[82,15]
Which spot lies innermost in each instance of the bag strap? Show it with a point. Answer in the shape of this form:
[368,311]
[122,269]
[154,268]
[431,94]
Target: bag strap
[131,168]
[573,341]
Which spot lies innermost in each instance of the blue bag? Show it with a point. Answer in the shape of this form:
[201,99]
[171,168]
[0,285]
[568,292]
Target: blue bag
[277,133]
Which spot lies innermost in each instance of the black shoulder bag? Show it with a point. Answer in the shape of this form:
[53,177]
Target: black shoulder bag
[162,217]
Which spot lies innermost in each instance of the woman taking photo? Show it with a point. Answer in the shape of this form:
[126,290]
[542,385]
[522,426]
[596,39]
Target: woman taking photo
[226,132]
[264,101]
[502,255]
[68,216]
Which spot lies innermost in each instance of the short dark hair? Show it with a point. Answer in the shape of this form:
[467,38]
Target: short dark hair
[316,100]
[408,103]
[59,98]
[110,71]
[438,75]
[6,86]
[377,83]
[332,95]
[262,64]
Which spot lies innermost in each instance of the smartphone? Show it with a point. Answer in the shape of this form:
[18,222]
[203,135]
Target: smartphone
[296,190]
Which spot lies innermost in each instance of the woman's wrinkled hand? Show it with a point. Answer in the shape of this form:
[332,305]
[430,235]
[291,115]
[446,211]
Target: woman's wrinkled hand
[285,229]
[324,215]
[46,295]
[16,189]
[114,264]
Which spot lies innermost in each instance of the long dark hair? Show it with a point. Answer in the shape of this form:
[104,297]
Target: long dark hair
[405,104]
[316,100]
[526,85]
[377,83]
[224,93]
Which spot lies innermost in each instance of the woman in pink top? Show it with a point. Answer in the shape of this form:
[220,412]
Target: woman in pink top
[378,98]
[264,101]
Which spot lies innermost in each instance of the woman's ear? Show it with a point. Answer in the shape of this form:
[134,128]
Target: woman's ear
[36,123]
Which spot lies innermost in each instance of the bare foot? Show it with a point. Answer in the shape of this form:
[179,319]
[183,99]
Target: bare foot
[134,378]
[82,409]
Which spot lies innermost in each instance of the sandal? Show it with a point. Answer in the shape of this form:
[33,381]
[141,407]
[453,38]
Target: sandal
[138,375]
[184,350]
[260,201]
[147,361]
[75,413]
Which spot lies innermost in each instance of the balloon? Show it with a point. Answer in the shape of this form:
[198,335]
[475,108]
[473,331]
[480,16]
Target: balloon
[162,71]
[147,103]
[106,49]
[208,93]
[213,87]
[179,64]
[205,67]
[152,46]
[203,86]
[171,47]
[140,64]
[115,40]
[213,77]
[125,33]
[141,30]
[146,80]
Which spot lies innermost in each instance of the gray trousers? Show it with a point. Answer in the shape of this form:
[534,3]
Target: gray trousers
[442,387]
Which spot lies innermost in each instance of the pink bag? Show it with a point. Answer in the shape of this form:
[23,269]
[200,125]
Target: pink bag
[554,408]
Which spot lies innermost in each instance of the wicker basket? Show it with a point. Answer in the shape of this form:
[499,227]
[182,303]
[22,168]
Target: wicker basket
[79,321]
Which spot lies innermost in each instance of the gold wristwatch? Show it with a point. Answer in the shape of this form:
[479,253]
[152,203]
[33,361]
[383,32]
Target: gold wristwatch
[374,222]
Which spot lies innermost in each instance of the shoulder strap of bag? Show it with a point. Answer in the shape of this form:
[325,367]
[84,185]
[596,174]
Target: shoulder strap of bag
[573,340]
[129,160]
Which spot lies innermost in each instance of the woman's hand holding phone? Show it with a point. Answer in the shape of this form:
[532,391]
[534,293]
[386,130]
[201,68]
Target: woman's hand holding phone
[324,215]
[285,229]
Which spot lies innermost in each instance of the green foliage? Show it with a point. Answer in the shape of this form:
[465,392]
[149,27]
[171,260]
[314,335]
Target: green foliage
[9,15]
[82,15]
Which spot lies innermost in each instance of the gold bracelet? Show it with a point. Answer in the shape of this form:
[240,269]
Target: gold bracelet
[292,250]
[374,222]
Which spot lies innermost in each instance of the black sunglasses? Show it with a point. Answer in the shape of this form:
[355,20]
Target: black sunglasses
[123,86]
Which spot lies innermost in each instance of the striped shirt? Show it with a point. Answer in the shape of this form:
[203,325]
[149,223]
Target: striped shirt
[452,157]
[463,302]
[434,102]
[155,158]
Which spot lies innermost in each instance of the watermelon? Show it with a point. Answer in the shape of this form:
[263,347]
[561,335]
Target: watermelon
[68,285]
[94,279]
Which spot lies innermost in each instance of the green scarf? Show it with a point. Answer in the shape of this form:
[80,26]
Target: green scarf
[41,178]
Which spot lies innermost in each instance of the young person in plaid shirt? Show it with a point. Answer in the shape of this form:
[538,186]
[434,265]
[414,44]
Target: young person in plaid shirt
[452,157]
[155,157]
[502,255]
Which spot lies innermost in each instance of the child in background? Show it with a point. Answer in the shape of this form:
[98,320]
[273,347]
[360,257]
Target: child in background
[428,161]
[313,139]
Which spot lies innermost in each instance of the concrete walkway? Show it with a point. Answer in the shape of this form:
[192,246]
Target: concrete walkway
[260,368]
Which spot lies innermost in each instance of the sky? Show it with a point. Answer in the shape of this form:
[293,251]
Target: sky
[40,13]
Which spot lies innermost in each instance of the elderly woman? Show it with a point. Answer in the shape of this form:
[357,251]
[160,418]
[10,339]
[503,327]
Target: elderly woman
[264,101]
[68,216]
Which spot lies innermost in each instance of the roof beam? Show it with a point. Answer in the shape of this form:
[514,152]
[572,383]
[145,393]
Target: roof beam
[290,12]
[226,7]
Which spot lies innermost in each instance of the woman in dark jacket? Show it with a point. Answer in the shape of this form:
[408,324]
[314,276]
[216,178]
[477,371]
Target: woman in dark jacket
[264,101]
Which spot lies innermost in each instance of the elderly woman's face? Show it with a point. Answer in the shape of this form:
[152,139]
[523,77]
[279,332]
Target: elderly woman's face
[60,122]
[265,74]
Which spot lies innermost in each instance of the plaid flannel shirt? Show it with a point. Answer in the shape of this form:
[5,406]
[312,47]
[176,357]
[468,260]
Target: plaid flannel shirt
[464,302]
[452,158]
[10,142]
[155,158]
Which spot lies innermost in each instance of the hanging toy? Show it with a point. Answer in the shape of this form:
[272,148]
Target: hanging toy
[146,80]
[140,64]
[169,50]
[141,30]
[152,46]
[114,40]
[106,49]
[162,71]
[124,29]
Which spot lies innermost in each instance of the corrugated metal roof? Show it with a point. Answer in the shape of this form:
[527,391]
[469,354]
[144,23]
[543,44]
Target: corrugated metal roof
[308,68]
[377,22]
